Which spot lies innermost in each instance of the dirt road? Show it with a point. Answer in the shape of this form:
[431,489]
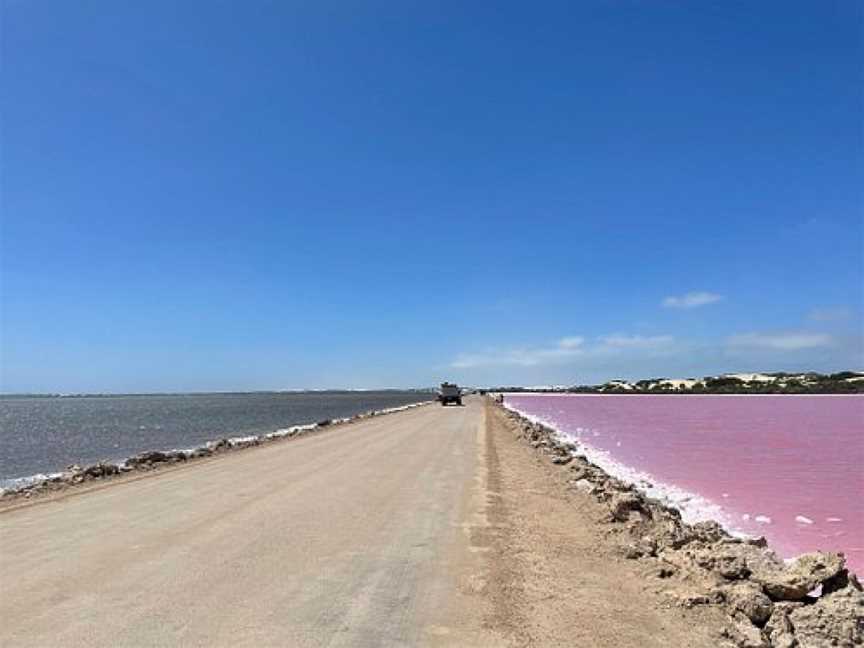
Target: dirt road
[422,528]
[359,536]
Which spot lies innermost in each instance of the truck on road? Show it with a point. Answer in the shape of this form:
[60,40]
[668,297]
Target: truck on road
[450,393]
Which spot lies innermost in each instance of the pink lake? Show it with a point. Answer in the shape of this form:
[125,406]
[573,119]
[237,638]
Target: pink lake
[790,468]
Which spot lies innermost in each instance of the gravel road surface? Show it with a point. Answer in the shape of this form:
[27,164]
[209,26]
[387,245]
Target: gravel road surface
[358,536]
[430,527]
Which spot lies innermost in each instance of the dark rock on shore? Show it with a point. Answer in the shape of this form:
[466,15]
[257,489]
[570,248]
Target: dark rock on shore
[72,475]
[147,458]
[622,504]
[101,469]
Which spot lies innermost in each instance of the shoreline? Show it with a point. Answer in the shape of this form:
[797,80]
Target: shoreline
[769,602]
[694,508]
[799,504]
[148,460]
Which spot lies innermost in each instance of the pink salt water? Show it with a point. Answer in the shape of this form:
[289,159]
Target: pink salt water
[790,468]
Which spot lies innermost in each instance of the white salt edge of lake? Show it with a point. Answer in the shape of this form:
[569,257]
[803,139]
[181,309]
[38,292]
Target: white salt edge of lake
[693,507]
[242,439]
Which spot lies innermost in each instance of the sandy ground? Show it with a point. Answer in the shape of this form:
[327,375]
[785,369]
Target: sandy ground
[424,528]
[558,576]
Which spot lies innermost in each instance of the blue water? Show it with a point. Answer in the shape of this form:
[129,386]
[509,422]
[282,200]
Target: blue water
[46,434]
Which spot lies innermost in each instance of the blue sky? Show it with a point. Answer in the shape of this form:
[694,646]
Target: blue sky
[254,195]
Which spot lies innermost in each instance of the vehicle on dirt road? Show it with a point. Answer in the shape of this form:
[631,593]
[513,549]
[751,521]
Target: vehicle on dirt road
[450,393]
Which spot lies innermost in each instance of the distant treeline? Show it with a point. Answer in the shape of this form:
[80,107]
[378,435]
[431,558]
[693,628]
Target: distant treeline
[844,382]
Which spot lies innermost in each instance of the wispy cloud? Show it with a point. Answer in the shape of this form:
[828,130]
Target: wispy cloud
[792,341]
[637,341]
[571,342]
[565,350]
[691,300]
[836,314]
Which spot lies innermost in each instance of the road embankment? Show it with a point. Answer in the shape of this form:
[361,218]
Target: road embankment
[457,526]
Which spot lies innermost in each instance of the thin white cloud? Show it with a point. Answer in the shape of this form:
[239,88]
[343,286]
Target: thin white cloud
[571,342]
[566,350]
[781,341]
[691,300]
[836,314]
[637,341]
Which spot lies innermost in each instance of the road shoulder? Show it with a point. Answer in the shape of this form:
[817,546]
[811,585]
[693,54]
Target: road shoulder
[558,577]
